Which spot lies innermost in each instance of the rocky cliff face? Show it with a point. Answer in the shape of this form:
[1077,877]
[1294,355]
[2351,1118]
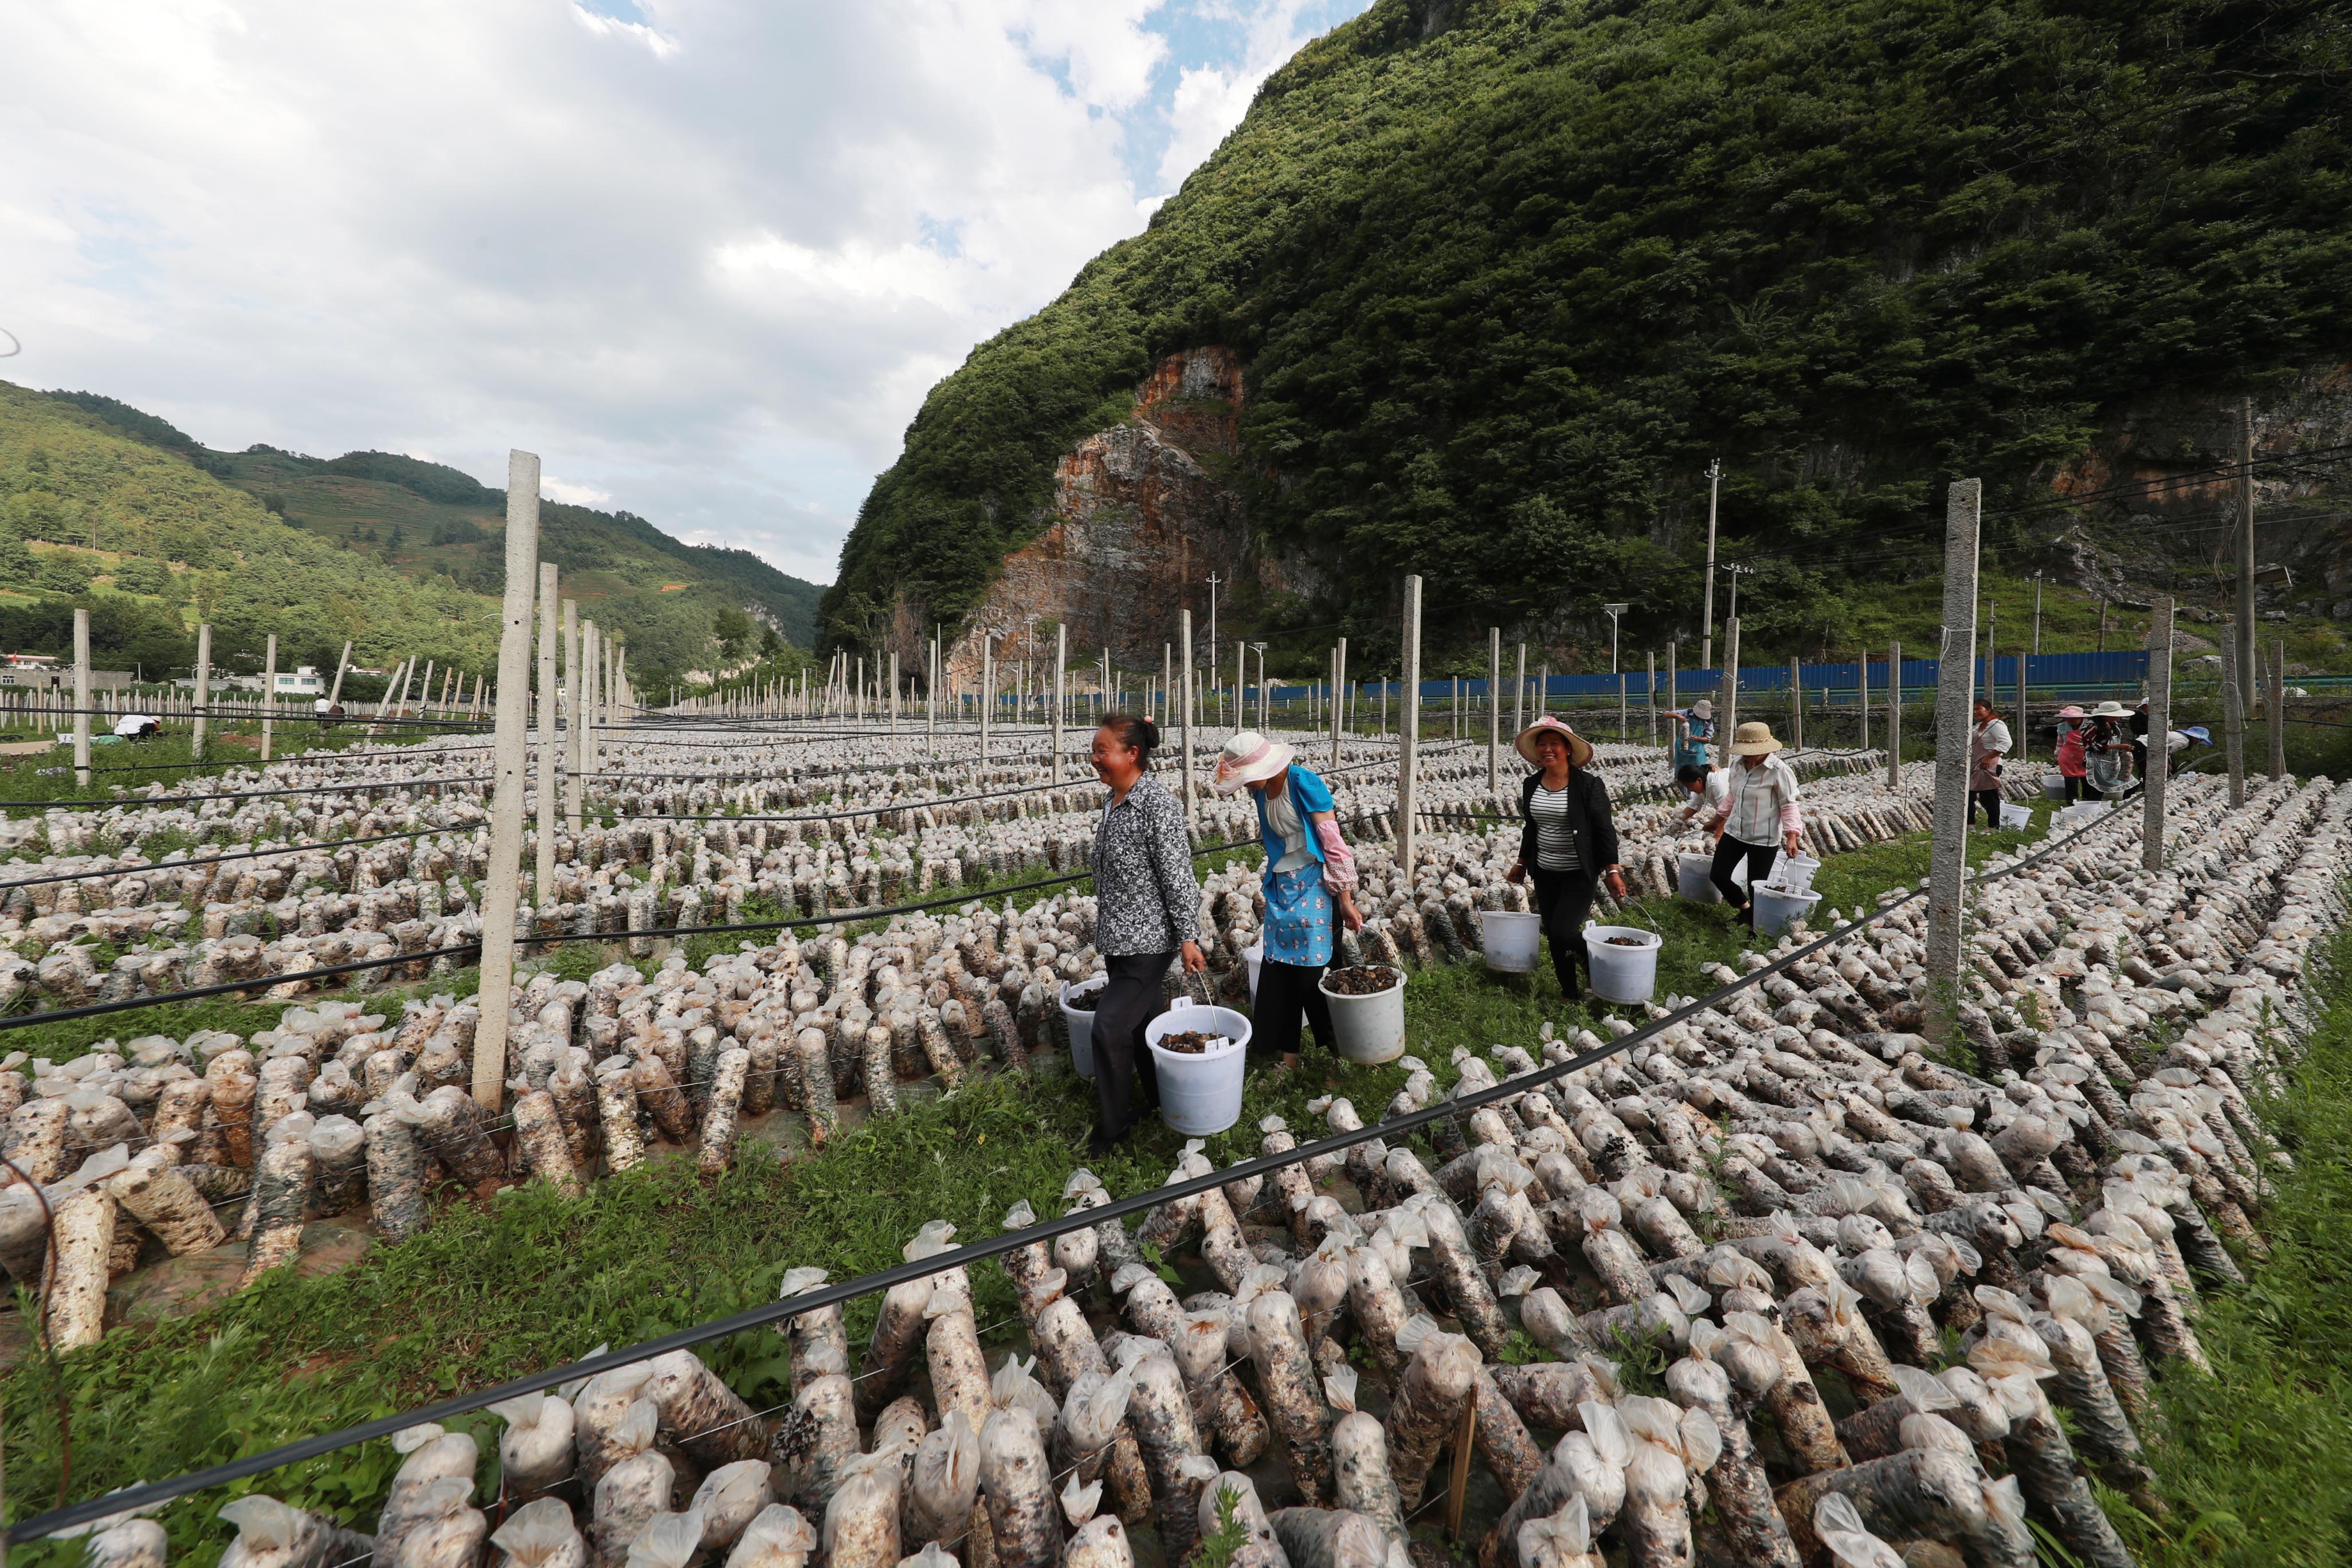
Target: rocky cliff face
[1143,514]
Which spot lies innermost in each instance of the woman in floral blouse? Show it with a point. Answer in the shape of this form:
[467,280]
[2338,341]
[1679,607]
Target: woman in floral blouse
[1147,910]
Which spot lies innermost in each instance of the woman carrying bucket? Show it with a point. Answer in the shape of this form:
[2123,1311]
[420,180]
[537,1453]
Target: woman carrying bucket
[2073,765]
[1569,837]
[1758,818]
[1988,742]
[1147,910]
[1308,870]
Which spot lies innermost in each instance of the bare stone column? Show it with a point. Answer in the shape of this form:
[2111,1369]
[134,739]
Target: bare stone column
[576,727]
[205,686]
[551,769]
[1894,714]
[502,892]
[1338,707]
[1061,659]
[1494,709]
[1184,708]
[1730,681]
[2159,728]
[268,695]
[81,700]
[1955,670]
[1795,704]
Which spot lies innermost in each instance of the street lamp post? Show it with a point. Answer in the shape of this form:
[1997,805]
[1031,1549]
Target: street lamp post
[1615,612]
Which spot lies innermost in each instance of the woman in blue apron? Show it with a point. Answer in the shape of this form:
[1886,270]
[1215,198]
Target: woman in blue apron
[1694,728]
[1310,884]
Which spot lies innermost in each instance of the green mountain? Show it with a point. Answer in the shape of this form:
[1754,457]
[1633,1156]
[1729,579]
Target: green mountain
[1505,275]
[105,505]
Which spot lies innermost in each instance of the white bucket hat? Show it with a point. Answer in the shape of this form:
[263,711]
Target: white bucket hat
[1249,758]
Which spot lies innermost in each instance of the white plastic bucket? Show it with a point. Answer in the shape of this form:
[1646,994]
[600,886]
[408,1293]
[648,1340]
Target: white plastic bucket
[1795,873]
[1697,870]
[1255,954]
[1511,940]
[1776,908]
[1371,1029]
[1081,1022]
[2054,786]
[2016,815]
[1623,974]
[1199,1095]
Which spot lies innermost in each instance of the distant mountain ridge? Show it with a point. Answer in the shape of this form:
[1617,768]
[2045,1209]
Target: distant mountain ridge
[95,493]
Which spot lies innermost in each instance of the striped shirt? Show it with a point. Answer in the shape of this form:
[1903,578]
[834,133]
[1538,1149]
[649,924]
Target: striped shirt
[1555,839]
[1762,804]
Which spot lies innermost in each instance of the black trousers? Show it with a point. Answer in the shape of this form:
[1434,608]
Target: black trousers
[1728,852]
[1289,994]
[1988,801]
[1563,899]
[2074,789]
[1125,1084]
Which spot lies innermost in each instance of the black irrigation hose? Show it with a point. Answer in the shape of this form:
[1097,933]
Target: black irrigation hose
[159,1492]
[426,955]
[153,865]
[246,794]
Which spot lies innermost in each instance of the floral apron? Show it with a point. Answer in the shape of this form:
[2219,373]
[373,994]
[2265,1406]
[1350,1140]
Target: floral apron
[1298,916]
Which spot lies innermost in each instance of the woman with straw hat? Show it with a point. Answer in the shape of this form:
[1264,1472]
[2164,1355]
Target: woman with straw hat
[1758,818]
[2107,749]
[1568,841]
[1309,871]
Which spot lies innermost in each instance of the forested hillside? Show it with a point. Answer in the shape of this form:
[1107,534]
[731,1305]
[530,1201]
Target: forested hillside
[105,505]
[1506,274]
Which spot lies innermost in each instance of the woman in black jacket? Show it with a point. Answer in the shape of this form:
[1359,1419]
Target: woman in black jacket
[1569,840]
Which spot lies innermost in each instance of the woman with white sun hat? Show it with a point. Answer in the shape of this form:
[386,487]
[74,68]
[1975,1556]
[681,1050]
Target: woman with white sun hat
[1310,881]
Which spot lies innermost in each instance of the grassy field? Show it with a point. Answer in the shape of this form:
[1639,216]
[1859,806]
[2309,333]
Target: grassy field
[2255,1466]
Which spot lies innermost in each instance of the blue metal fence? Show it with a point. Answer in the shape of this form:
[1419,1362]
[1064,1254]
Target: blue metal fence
[2048,671]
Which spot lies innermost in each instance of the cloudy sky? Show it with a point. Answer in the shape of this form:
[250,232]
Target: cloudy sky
[705,256]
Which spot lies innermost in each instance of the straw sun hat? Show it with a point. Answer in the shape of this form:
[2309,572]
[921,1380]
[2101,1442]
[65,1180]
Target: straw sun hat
[2111,710]
[1752,740]
[1580,750]
[1249,758]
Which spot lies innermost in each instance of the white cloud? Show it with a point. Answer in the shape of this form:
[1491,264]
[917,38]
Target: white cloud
[705,256]
[570,494]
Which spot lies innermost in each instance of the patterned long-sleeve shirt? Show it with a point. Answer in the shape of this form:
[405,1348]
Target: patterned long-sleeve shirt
[1146,898]
[1761,803]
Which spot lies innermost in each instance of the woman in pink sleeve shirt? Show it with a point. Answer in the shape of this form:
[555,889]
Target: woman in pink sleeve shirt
[1758,815]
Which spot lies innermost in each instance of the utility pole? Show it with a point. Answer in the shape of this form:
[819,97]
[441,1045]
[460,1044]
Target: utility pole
[1707,611]
[1948,860]
[1493,709]
[503,893]
[2245,628]
[2159,729]
[1409,740]
[1616,613]
[1184,635]
[1731,719]
[1264,708]
[1519,694]
[2233,718]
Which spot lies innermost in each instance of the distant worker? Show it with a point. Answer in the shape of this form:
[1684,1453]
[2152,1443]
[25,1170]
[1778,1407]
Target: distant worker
[137,726]
[1758,818]
[1694,729]
[2108,750]
[1988,743]
[2073,765]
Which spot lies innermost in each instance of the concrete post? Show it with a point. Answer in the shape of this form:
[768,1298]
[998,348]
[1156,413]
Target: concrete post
[1650,695]
[2024,745]
[894,691]
[343,663]
[1795,704]
[576,727]
[204,686]
[1184,708]
[1862,694]
[1409,728]
[592,738]
[1520,695]
[1338,706]
[931,699]
[424,692]
[502,891]
[2278,709]
[1167,679]
[1894,714]
[551,767]
[408,674]
[81,698]
[1948,860]
[1673,675]
[268,694]
[2160,725]
[2242,633]
[987,690]
[1061,691]
[1493,709]
[2234,717]
[1729,719]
